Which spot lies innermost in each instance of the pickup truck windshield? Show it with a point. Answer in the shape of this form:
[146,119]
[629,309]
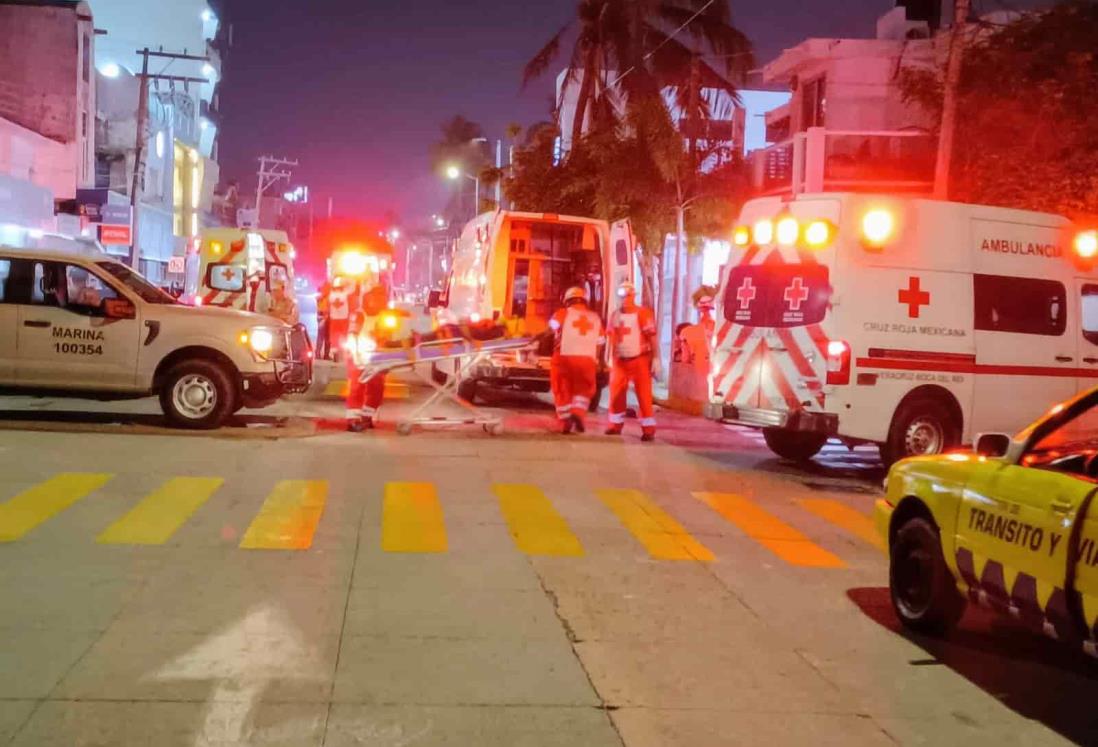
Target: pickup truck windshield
[135,282]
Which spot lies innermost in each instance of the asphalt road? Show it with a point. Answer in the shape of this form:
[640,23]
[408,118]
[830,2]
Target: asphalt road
[282,582]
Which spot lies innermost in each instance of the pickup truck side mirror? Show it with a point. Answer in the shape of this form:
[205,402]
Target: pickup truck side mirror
[992,444]
[434,299]
[119,308]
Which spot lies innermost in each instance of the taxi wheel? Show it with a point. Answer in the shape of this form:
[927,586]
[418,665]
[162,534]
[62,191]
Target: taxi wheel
[197,395]
[921,427]
[924,594]
[797,446]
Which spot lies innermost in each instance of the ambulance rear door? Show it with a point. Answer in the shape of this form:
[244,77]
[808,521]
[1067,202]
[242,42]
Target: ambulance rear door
[622,244]
[1086,290]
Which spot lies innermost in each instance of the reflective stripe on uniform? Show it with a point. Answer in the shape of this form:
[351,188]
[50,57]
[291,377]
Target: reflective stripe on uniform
[578,401]
[617,418]
[368,412]
[648,422]
[554,325]
[351,414]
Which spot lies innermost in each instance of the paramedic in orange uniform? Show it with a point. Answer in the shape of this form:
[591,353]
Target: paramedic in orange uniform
[339,316]
[634,358]
[364,399]
[578,335]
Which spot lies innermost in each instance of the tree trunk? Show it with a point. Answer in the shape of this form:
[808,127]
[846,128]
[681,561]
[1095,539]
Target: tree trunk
[949,103]
[676,285]
[583,98]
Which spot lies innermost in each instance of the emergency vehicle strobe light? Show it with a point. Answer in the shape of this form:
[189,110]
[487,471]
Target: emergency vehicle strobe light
[741,236]
[763,232]
[788,230]
[878,226]
[838,363]
[1086,244]
[352,264]
[818,234]
[389,321]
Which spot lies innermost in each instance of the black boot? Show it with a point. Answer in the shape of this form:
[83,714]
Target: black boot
[577,423]
[357,425]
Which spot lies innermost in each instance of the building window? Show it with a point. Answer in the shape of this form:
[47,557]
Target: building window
[86,58]
[814,103]
[1024,306]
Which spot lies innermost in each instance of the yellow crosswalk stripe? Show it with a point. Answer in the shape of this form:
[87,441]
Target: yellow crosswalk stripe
[770,531]
[661,535]
[844,517]
[156,518]
[35,505]
[535,525]
[412,519]
[289,516]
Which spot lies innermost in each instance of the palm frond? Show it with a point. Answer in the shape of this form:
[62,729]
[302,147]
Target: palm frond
[540,62]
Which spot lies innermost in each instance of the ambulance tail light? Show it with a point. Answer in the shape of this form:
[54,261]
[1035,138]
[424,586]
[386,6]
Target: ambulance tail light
[838,363]
[1086,245]
[741,236]
[878,228]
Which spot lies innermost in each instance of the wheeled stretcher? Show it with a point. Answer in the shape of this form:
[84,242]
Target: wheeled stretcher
[468,354]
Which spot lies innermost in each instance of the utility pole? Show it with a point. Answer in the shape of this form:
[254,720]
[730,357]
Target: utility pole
[949,100]
[142,122]
[271,171]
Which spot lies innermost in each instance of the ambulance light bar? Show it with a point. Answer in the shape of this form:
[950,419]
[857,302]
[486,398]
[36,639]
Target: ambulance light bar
[818,234]
[741,236]
[1086,244]
[352,264]
[763,232]
[878,226]
[788,231]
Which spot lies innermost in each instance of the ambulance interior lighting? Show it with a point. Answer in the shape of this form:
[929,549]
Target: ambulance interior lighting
[389,321]
[788,230]
[262,341]
[352,264]
[741,236]
[878,226]
[817,234]
[384,263]
[763,232]
[1086,244]
[217,247]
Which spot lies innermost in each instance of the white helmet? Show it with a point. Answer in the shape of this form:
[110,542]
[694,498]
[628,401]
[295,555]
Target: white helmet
[627,289]
[575,293]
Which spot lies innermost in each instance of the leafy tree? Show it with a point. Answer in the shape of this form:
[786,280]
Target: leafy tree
[1026,134]
[461,145]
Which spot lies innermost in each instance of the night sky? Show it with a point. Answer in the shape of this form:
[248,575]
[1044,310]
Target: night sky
[356,89]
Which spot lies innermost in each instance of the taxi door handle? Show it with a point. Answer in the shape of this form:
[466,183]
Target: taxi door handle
[1064,358]
[37,323]
[1090,360]
[1059,507]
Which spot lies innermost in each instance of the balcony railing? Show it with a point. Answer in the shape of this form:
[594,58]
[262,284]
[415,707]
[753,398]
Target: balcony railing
[820,160]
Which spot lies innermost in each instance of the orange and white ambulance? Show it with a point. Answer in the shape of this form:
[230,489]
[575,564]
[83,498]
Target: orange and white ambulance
[238,268]
[513,268]
[911,323]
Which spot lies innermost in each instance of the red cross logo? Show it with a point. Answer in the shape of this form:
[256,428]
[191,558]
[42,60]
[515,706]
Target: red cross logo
[796,294]
[228,274]
[338,302]
[914,296]
[746,294]
[583,325]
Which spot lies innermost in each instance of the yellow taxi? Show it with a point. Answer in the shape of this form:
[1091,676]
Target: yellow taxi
[1010,526]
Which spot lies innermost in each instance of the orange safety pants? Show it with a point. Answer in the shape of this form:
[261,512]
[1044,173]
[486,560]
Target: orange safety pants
[363,399]
[573,381]
[637,371]
[337,337]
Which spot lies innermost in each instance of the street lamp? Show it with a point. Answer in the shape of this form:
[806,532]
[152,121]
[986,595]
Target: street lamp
[454,173]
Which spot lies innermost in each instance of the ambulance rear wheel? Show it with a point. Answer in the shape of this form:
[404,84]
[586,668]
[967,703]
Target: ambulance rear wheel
[921,586]
[797,446]
[921,427]
[197,395]
[467,390]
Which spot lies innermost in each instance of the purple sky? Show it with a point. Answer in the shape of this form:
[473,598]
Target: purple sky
[356,89]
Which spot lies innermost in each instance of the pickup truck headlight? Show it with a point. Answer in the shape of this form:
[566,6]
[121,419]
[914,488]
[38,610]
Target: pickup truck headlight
[261,341]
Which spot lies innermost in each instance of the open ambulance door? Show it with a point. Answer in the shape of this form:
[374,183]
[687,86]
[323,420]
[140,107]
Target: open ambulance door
[622,246]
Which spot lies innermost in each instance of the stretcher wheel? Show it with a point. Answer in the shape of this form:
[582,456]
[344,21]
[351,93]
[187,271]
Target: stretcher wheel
[404,428]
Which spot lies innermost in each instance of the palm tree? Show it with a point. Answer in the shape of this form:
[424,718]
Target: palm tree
[628,50]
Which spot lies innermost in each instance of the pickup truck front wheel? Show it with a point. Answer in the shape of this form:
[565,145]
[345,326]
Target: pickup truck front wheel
[197,394]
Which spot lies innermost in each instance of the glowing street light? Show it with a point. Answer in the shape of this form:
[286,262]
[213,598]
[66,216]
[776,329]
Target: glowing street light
[454,173]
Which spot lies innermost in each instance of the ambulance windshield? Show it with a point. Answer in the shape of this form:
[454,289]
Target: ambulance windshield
[774,295]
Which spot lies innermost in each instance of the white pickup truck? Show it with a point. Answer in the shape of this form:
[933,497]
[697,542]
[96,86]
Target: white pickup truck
[77,322]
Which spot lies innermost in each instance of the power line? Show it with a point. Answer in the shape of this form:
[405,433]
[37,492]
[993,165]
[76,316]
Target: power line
[671,36]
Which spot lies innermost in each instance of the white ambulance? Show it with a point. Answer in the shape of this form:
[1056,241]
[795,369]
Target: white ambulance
[911,323]
[514,267]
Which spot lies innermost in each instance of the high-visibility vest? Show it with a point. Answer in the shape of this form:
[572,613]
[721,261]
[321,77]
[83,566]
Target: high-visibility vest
[632,332]
[339,303]
[579,332]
